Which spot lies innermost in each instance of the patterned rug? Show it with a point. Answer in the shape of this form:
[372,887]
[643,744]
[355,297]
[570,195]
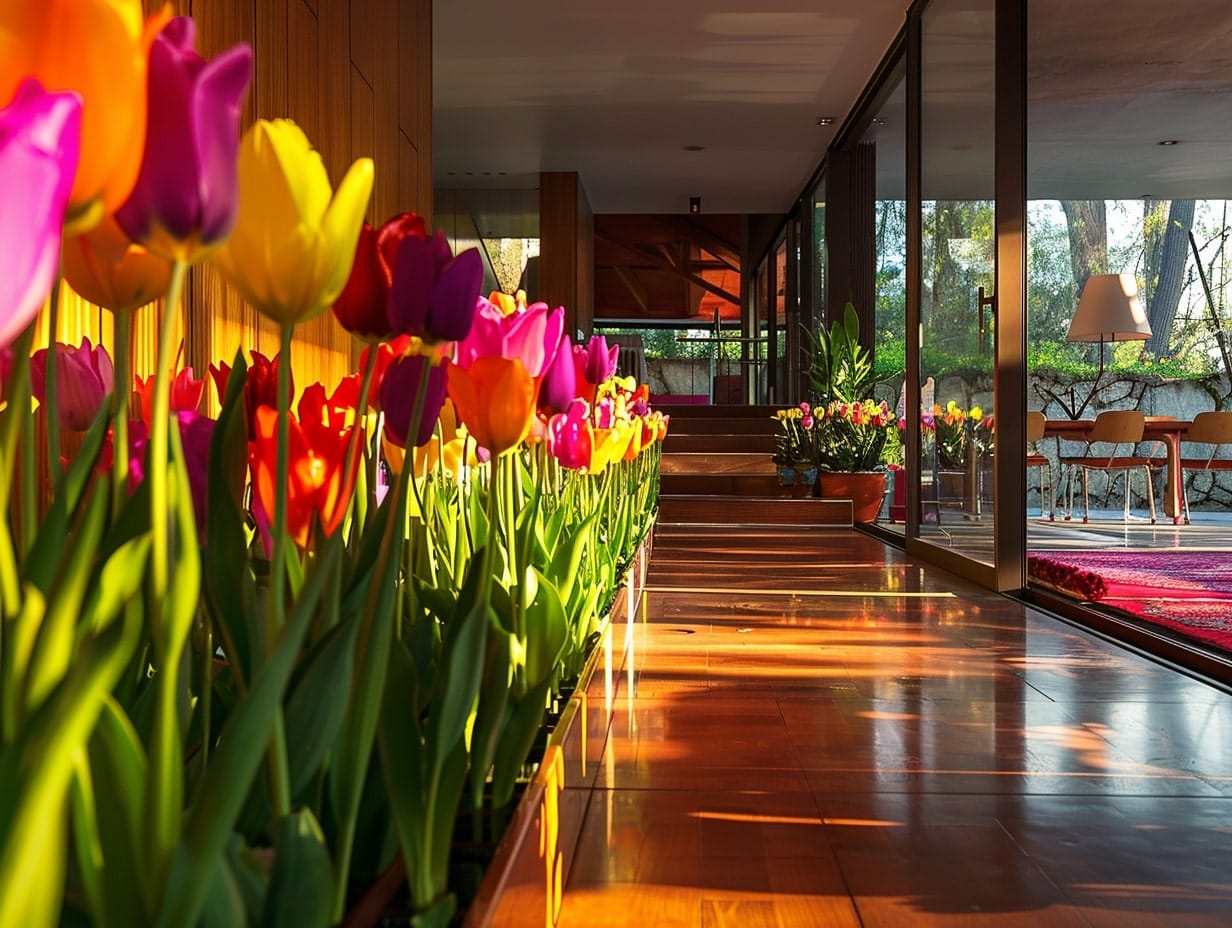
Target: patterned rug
[1187,591]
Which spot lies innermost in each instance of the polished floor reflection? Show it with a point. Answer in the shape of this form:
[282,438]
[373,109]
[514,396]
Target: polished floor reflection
[813,730]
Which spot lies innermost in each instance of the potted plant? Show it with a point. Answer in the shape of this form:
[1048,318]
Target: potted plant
[853,429]
[796,446]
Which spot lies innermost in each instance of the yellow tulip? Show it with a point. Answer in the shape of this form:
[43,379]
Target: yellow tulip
[106,268]
[293,246]
[100,49]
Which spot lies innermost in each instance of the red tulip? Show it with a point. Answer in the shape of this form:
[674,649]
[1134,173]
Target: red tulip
[186,393]
[317,487]
[362,306]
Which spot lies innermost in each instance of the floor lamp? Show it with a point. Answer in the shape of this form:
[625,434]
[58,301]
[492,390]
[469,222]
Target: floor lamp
[1108,311]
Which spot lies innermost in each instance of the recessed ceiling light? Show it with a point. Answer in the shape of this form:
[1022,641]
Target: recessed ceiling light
[695,148]
[1170,142]
[825,120]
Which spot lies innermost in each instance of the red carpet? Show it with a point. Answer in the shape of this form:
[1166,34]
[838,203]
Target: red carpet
[1187,591]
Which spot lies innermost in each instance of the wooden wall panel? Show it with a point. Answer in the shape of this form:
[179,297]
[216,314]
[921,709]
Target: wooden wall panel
[566,249]
[356,76]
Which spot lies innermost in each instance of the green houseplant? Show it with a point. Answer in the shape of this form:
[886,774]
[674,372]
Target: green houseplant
[852,428]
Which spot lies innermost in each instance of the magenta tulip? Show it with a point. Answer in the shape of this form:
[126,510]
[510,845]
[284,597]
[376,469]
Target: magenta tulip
[531,335]
[84,378]
[196,432]
[400,395]
[186,196]
[559,387]
[599,363]
[40,134]
[433,293]
[571,440]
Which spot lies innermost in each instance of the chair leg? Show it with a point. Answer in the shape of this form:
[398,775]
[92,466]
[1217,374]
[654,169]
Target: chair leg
[1150,492]
[1086,496]
[1185,497]
[1052,496]
[1128,490]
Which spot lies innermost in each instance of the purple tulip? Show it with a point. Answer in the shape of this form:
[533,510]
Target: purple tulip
[434,293]
[196,432]
[559,388]
[400,395]
[187,193]
[40,135]
[84,377]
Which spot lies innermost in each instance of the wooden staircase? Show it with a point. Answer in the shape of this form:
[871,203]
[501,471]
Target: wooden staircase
[717,469]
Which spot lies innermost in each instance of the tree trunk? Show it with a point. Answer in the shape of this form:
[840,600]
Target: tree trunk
[1088,240]
[1165,296]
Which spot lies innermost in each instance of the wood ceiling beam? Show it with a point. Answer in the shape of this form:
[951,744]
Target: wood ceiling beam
[633,285]
[663,264]
[721,248]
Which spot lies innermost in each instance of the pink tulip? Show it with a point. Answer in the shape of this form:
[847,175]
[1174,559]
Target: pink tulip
[571,440]
[531,335]
[40,136]
[559,387]
[84,377]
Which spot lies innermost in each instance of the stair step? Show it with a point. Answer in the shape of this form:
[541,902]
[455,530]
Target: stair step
[717,462]
[746,510]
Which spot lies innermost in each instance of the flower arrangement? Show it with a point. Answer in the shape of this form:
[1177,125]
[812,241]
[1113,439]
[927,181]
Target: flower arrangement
[197,697]
[956,432]
[853,429]
[797,444]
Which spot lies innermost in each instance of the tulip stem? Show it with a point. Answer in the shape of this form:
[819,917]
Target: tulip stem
[156,451]
[279,769]
[120,395]
[51,404]
[13,422]
[361,416]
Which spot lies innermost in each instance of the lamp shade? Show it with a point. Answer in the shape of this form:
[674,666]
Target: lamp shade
[1109,311]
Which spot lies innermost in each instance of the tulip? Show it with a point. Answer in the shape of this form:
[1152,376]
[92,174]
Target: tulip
[196,432]
[362,306]
[186,393]
[386,354]
[260,385]
[85,378]
[559,386]
[403,389]
[292,248]
[39,140]
[434,293]
[319,485]
[495,399]
[184,201]
[532,335]
[599,361]
[571,439]
[338,410]
[506,303]
[107,268]
[100,50]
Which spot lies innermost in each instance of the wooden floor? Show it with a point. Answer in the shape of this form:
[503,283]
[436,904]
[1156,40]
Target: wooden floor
[814,731]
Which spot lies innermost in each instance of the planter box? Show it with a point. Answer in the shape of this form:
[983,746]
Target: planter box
[526,879]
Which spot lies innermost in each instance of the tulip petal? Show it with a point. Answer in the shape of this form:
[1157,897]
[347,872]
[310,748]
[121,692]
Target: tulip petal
[452,303]
[39,143]
[341,222]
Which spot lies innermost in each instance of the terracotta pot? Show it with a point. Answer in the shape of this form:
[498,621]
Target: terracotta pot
[865,489]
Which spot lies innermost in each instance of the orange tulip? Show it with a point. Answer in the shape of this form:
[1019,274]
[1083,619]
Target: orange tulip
[317,488]
[495,399]
[109,270]
[101,50]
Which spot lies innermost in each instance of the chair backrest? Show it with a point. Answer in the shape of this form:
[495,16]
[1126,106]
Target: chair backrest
[1036,421]
[1211,428]
[1118,426]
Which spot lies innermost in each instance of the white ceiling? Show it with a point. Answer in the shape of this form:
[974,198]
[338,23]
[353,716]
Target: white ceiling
[616,92]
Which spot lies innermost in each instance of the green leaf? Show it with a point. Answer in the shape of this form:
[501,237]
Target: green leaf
[545,628]
[301,890]
[518,739]
[230,593]
[241,748]
[567,557]
[314,711]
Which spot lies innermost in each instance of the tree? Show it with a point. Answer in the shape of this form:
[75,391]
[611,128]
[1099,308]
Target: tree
[1087,221]
[1166,257]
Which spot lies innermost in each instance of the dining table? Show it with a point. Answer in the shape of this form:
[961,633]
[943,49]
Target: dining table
[1166,430]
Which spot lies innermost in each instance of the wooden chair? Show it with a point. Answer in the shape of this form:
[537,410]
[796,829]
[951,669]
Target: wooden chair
[1208,428]
[1036,422]
[1119,429]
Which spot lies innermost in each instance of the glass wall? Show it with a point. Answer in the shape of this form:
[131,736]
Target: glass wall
[1128,173]
[887,136]
[958,247]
